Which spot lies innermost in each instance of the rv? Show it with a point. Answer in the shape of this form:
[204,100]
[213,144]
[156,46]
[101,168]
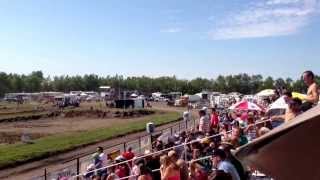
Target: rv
[67,100]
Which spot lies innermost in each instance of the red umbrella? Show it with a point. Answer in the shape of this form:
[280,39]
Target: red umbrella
[246,106]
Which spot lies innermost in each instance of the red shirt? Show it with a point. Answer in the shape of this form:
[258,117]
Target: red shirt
[128,155]
[214,120]
[121,172]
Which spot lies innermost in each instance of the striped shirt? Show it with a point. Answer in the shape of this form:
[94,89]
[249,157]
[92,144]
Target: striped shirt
[204,124]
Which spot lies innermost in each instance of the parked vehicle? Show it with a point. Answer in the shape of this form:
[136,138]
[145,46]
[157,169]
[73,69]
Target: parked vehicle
[67,100]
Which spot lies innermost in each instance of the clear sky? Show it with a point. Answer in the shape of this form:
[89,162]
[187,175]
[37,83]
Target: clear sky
[186,38]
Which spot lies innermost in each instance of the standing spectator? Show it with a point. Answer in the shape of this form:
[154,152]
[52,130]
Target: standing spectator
[214,119]
[204,122]
[312,97]
[128,155]
[104,162]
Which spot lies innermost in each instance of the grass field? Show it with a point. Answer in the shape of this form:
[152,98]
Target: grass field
[11,155]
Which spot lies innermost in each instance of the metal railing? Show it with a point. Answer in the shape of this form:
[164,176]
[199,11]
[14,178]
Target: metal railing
[79,164]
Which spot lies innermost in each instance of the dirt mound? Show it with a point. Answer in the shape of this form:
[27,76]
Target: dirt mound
[91,113]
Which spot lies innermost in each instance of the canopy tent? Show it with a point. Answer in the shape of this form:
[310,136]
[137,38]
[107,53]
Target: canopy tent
[278,107]
[280,103]
[266,92]
[289,151]
[246,106]
[133,95]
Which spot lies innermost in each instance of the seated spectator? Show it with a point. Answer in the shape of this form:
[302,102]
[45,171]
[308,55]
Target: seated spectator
[153,163]
[172,170]
[263,131]
[137,163]
[220,175]
[235,162]
[145,173]
[184,173]
[251,129]
[237,137]
[197,172]
[219,161]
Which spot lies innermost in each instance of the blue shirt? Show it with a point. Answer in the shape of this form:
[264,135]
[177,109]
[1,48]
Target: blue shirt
[227,167]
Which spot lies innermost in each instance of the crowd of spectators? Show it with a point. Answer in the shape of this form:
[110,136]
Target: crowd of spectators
[203,152]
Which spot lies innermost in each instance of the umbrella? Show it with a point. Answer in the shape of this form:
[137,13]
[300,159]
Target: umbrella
[246,105]
[290,151]
[266,92]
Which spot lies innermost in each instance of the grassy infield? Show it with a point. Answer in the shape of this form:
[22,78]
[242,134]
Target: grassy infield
[11,155]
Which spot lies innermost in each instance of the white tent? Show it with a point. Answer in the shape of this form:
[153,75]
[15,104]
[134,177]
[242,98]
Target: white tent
[266,92]
[280,103]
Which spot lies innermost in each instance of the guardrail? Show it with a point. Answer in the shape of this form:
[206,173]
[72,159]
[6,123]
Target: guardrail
[79,164]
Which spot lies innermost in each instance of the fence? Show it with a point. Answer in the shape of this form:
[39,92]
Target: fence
[79,165]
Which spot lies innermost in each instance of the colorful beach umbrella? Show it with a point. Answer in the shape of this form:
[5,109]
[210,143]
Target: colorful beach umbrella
[246,106]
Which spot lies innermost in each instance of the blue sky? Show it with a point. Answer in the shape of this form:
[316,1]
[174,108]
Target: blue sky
[186,38]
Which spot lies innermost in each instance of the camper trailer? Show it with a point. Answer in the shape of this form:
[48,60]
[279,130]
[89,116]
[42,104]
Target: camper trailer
[107,93]
[67,100]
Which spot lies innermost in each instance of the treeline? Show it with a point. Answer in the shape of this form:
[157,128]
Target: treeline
[243,83]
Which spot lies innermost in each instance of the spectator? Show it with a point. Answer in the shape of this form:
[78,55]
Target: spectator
[294,108]
[204,122]
[235,162]
[197,172]
[312,97]
[112,175]
[263,131]
[153,163]
[128,155]
[171,171]
[136,167]
[184,173]
[104,162]
[214,119]
[219,161]
[237,137]
[145,173]
[220,175]
[122,170]
[251,128]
